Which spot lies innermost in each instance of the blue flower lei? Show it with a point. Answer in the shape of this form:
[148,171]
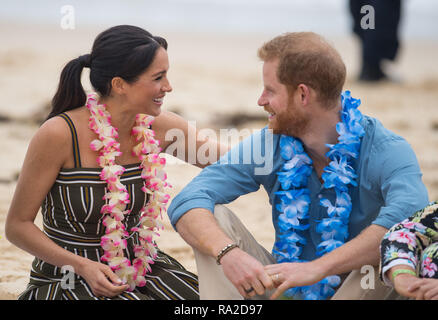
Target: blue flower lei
[295,197]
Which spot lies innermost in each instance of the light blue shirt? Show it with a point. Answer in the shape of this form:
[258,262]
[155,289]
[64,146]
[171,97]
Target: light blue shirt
[390,186]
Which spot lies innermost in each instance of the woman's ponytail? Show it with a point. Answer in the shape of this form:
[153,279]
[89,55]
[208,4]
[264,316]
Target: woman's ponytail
[70,94]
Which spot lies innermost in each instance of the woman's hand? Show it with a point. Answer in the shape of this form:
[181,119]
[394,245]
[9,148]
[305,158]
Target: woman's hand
[403,282]
[424,289]
[102,280]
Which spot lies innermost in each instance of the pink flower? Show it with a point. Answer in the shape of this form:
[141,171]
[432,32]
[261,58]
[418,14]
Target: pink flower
[403,236]
[413,225]
[428,268]
[116,198]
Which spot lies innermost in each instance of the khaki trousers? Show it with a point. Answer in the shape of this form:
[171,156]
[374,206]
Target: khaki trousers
[214,285]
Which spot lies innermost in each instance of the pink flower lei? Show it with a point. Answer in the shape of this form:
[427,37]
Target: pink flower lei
[116,197]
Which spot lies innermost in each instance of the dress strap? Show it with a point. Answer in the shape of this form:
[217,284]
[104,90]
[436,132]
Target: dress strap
[76,153]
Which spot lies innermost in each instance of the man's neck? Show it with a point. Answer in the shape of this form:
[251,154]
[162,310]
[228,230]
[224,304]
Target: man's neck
[321,131]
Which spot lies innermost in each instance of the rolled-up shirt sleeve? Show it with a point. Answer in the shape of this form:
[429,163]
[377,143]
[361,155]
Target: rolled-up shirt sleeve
[235,174]
[398,173]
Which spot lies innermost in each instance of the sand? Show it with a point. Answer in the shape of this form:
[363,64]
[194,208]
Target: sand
[216,80]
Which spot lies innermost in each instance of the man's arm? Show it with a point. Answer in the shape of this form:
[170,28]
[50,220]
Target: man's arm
[191,213]
[362,250]
[397,176]
[199,228]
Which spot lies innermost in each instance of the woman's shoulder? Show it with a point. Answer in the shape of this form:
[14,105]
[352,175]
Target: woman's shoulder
[54,128]
[53,134]
[50,144]
[59,127]
[168,119]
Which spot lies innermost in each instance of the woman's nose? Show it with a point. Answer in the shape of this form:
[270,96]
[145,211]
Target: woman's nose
[167,87]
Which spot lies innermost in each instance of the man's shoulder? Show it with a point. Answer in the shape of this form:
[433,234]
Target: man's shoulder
[262,139]
[378,137]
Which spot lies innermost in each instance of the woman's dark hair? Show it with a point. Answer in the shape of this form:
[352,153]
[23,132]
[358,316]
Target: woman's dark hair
[122,51]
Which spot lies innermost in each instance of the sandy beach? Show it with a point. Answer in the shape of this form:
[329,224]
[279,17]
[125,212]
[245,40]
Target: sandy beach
[217,81]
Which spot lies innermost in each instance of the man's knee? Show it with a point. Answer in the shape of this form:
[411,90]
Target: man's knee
[220,211]
[226,219]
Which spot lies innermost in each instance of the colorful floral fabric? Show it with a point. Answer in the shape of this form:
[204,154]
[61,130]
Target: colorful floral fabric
[413,242]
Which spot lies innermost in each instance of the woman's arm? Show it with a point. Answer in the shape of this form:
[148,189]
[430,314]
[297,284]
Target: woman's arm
[403,281]
[183,140]
[45,156]
[402,248]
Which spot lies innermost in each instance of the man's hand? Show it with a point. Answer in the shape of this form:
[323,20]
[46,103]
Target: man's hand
[245,272]
[290,275]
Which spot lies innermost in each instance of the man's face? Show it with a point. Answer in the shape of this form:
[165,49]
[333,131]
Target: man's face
[284,116]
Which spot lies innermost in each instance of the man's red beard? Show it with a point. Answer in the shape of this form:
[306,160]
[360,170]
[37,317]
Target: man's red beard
[290,122]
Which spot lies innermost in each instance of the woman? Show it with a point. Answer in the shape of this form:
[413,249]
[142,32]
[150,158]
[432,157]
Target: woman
[409,255]
[105,210]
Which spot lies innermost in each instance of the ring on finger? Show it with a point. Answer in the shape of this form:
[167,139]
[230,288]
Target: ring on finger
[275,277]
[247,291]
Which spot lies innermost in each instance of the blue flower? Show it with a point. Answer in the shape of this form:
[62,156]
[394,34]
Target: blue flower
[299,160]
[296,177]
[333,281]
[322,289]
[338,174]
[294,204]
[281,256]
[352,119]
[292,237]
[332,228]
[327,291]
[287,253]
[349,131]
[289,147]
[285,224]
[343,199]
[342,207]
[350,149]
[291,292]
[328,224]
[348,101]
[313,292]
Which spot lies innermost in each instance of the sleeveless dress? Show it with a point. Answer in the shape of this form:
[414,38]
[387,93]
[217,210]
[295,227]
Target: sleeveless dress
[72,219]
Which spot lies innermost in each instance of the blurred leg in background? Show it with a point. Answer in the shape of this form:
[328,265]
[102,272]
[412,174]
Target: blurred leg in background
[379,43]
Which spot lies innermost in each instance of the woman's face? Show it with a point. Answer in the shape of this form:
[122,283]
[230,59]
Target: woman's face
[147,93]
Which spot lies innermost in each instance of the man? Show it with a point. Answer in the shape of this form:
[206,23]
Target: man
[303,77]
[380,42]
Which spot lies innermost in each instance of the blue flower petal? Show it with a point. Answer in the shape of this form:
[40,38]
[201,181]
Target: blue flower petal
[294,199]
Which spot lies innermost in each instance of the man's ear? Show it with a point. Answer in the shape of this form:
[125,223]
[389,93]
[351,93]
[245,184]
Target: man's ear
[118,85]
[303,92]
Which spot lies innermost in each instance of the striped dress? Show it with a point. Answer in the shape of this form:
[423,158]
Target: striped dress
[72,219]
